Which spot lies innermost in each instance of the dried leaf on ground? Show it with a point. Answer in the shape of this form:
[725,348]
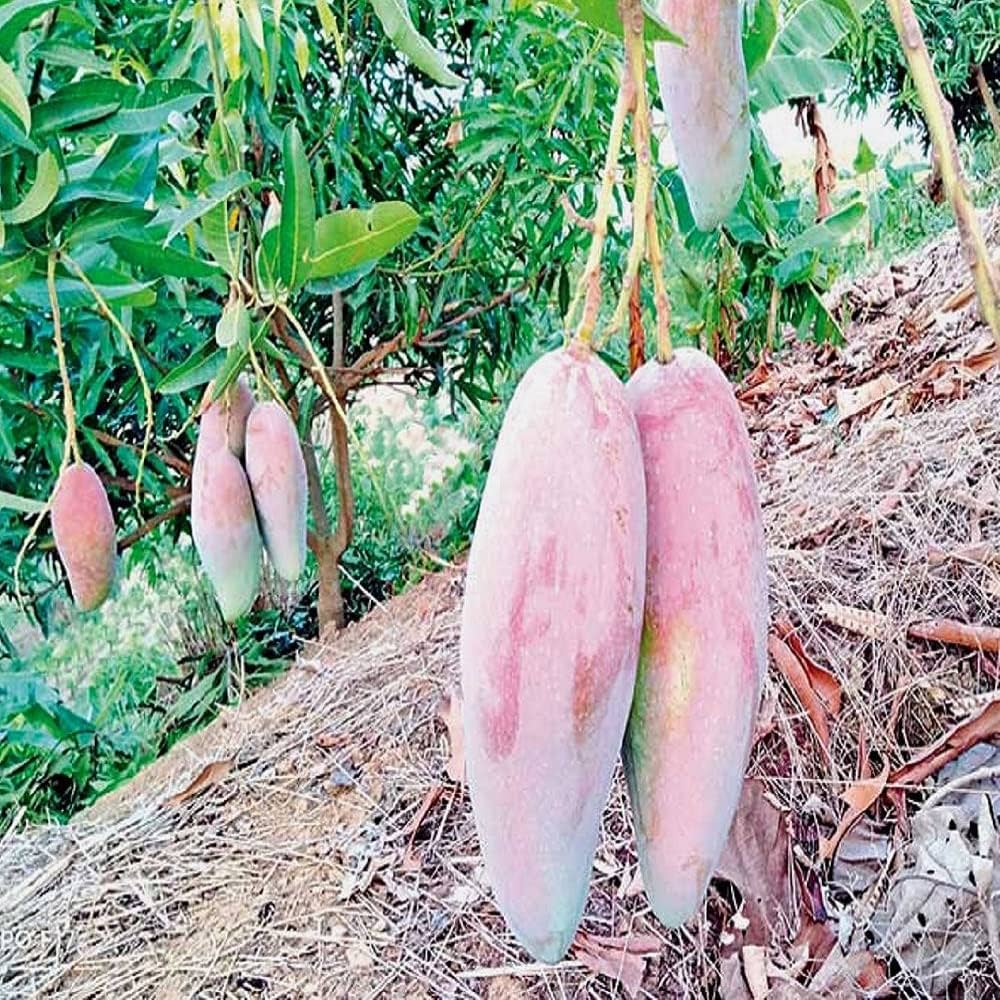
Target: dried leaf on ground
[755,970]
[955,633]
[822,680]
[870,624]
[450,713]
[851,402]
[850,975]
[209,775]
[621,959]
[757,860]
[411,858]
[982,726]
[794,672]
[859,798]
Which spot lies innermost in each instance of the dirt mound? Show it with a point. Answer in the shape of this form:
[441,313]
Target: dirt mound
[312,843]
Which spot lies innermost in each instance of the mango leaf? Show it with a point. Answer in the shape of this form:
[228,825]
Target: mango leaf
[301,48]
[215,194]
[149,109]
[329,28]
[162,259]
[12,96]
[13,272]
[24,505]
[199,369]
[395,19]
[603,14]
[251,15]
[41,194]
[351,238]
[216,234]
[86,100]
[229,37]
[783,77]
[298,212]
[16,15]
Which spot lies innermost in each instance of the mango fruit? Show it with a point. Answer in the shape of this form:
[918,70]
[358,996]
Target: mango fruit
[225,419]
[84,530]
[224,523]
[277,474]
[703,653]
[705,94]
[549,638]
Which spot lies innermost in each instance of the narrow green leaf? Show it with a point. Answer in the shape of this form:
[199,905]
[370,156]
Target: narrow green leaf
[163,260]
[216,193]
[603,14]
[87,100]
[351,238]
[298,212]
[251,14]
[229,36]
[12,96]
[41,194]
[395,19]
[23,505]
[199,369]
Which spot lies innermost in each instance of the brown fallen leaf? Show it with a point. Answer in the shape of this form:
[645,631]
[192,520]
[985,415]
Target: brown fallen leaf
[332,741]
[822,680]
[982,553]
[411,859]
[954,633]
[757,860]
[983,726]
[888,504]
[621,959]
[450,713]
[852,402]
[794,672]
[859,798]
[859,973]
[209,775]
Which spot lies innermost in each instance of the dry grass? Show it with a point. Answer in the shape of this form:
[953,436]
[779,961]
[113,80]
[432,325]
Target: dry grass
[304,871]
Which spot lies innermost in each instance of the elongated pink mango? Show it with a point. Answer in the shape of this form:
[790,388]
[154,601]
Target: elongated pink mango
[224,526]
[703,653]
[277,474]
[703,86]
[84,530]
[549,640]
[225,420]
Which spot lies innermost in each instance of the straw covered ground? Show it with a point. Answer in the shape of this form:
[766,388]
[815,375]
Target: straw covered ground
[315,842]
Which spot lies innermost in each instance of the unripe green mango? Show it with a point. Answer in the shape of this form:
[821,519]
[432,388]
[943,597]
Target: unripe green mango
[225,420]
[84,530]
[277,474]
[703,653]
[549,638]
[705,94]
[224,526]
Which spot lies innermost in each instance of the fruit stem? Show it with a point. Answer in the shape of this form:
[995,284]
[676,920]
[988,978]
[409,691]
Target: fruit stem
[635,54]
[942,132]
[664,345]
[590,282]
[147,396]
[71,447]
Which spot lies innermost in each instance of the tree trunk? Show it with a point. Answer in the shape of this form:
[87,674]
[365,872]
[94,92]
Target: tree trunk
[987,94]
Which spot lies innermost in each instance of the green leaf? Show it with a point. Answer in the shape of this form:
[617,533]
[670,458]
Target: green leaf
[215,194]
[199,369]
[799,260]
[783,77]
[12,96]
[348,239]
[87,100]
[818,26]
[13,272]
[603,14]
[23,505]
[865,160]
[298,212]
[163,260]
[150,109]
[760,34]
[41,194]
[251,14]
[395,19]
[16,15]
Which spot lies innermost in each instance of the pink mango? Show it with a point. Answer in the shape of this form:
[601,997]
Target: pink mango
[225,420]
[549,638]
[84,530]
[224,526]
[277,474]
[703,653]
[705,94]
